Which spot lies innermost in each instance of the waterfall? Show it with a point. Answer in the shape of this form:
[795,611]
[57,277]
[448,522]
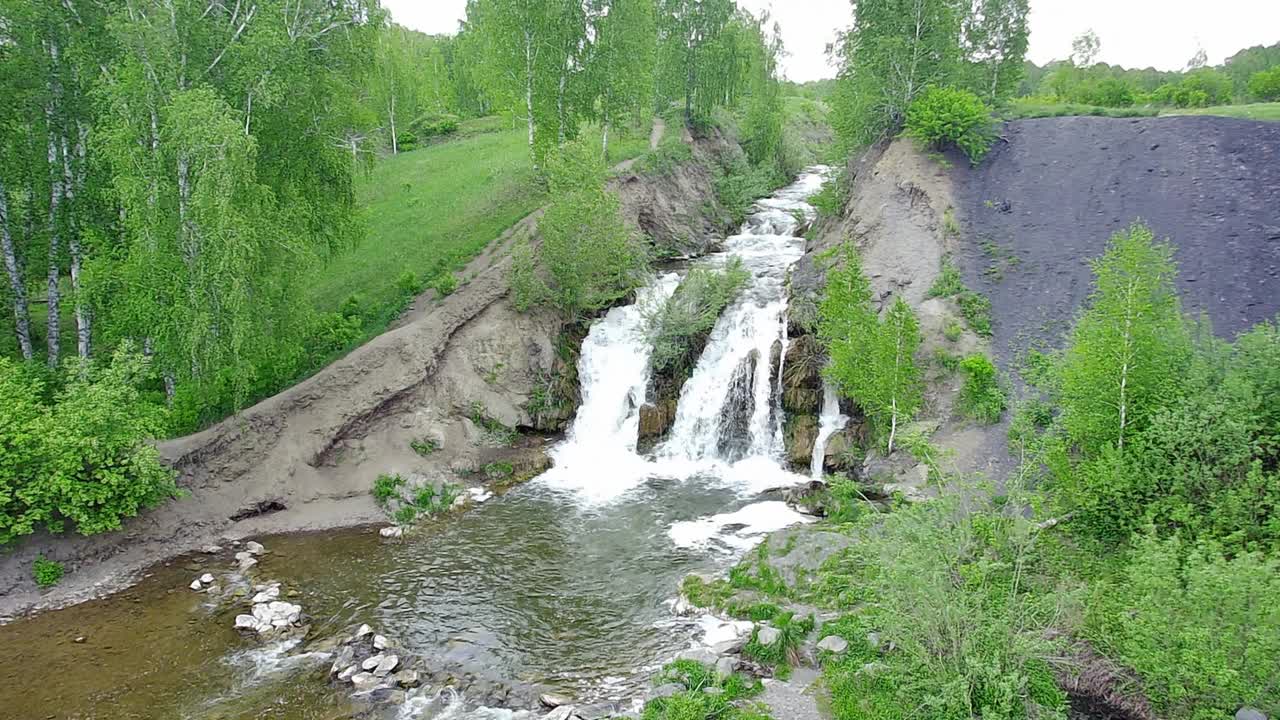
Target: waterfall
[830,422]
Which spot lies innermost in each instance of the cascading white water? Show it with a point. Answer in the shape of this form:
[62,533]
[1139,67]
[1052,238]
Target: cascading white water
[829,423]
[767,248]
[613,371]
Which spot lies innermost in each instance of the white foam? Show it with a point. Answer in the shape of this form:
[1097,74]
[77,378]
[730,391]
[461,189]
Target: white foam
[742,529]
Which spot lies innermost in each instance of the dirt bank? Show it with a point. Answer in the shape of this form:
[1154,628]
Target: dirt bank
[458,371]
[1054,191]
[1025,223]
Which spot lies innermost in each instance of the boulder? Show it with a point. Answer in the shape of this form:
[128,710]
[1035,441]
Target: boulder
[246,622]
[729,647]
[362,632]
[348,672]
[195,585]
[211,549]
[801,432]
[206,579]
[833,644]
[391,531]
[702,655]
[726,666]
[370,663]
[386,665]
[407,678]
[247,563]
[364,682]
[266,596]
[564,712]
[1250,713]
[767,635]
[597,711]
[552,700]
[808,498]
[379,642]
[663,691]
[255,547]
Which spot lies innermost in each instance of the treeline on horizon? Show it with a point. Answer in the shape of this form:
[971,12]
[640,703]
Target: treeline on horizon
[174,172]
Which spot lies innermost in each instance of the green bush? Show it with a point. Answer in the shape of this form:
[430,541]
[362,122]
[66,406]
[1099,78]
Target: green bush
[387,487]
[949,282]
[943,117]
[406,515]
[47,573]
[83,455]
[981,397]
[691,312]
[408,284]
[433,125]
[782,651]
[1200,629]
[1198,88]
[445,283]
[424,446]
[976,309]
[943,586]
[1264,86]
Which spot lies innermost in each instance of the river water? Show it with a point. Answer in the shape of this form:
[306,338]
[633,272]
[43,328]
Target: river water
[565,582]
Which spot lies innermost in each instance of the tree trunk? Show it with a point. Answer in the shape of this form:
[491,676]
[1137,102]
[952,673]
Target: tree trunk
[395,143]
[560,110]
[53,298]
[528,83]
[73,248]
[21,312]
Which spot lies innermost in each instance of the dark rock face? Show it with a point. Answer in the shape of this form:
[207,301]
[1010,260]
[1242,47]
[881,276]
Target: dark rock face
[739,406]
[656,418]
[1054,193]
[799,435]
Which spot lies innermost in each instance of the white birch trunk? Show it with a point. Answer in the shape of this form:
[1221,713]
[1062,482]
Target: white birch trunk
[528,83]
[53,299]
[21,311]
[560,109]
[395,143]
[73,247]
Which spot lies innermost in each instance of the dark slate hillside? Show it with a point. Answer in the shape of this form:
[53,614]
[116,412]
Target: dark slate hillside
[1052,192]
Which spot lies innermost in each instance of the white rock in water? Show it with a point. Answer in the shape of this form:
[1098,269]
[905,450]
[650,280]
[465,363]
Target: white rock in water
[553,701]
[564,712]
[206,578]
[479,495]
[246,622]
[364,682]
[211,549]
[408,678]
[460,501]
[266,595]
[371,662]
[247,563]
[767,635]
[391,531]
[833,644]
[195,585]
[362,632]
[682,606]
[348,673]
[254,547]
[379,642]
[386,665]
[242,555]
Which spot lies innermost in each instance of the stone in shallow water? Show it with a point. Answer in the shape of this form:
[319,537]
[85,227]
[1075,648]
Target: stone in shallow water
[371,662]
[364,682]
[206,578]
[379,642]
[552,700]
[247,563]
[391,531]
[564,712]
[362,632]
[211,549]
[386,665]
[195,585]
[246,622]
[348,672]
[266,595]
[254,547]
[408,678]
[833,644]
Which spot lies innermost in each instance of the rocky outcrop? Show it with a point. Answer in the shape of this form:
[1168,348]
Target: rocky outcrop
[739,406]
[802,397]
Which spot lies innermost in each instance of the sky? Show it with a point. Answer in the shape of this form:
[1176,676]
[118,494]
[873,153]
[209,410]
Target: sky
[1135,33]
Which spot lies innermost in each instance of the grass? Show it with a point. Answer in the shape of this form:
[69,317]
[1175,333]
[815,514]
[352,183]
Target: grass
[1269,112]
[1022,109]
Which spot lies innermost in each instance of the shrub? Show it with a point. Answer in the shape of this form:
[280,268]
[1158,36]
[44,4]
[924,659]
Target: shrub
[949,282]
[952,330]
[527,288]
[783,651]
[408,284]
[706,696]
[47,573]
[976,310]
[433,125]
[387,487]
[829,201]
[424,446]
[1265,85]
[334,332]
[445,283]
[82,457]
[981,397]
[944,117]
[943,586]
[406,515]
[1202,630]
[690,313]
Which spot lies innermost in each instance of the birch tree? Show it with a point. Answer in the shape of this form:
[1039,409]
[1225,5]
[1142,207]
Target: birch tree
[996,42]
[1129,345]
[900,391]
[622,61]
[689,33]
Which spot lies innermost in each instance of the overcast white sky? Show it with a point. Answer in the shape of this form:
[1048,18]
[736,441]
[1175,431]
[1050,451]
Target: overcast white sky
[1134,33]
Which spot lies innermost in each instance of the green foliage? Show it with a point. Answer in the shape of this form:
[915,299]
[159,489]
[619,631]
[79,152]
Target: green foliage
[981,398]
[499,471]
[46,573]
[949,282]
[845,502]
[424,446]
[678,328]
[591,258]
[946,360]
[783,651]
[976,309]
[430,500]
[1200,628]
[434,125]
[829,201]
[1199,88]
[1264,85]
[445,283]
[496,433]
[872,362]
[706,696]
[408,284]
[405,515]
[1128,344]
[81,455]
[1033,107]
[739,184]
[944,588]
[952,330]
[387,487]
[943,117]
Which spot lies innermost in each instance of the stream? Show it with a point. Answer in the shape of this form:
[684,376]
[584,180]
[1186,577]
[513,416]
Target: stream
[566,582]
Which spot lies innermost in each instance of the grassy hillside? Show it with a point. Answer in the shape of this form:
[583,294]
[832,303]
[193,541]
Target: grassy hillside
[1254,111]
[431,210]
